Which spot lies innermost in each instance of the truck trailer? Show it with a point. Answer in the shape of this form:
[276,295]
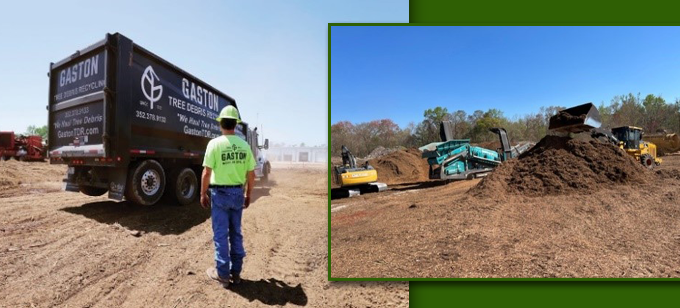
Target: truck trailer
[129,123]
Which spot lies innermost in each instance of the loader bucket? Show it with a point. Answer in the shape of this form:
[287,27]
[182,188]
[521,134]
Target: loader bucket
[575,119]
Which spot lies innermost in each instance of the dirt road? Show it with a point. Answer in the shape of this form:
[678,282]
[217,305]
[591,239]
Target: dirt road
[440,230]
[66,249]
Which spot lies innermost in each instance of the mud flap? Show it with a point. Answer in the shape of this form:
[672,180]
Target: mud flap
[70,181]
[69,186]
[117,179]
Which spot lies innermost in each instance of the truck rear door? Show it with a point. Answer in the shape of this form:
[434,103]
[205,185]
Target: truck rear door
[78,103]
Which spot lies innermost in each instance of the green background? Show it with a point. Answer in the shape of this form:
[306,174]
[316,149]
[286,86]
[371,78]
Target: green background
[545,293]
[544,12]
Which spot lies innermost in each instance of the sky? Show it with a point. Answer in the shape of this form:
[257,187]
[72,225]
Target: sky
[398,72]
[271,56]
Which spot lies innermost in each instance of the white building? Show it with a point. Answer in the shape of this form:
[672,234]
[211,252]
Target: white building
[298,154]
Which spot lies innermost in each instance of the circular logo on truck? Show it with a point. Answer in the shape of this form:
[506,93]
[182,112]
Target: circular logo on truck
[151,91]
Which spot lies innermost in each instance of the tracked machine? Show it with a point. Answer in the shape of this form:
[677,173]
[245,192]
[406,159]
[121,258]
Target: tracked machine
[457,159]
[354,179]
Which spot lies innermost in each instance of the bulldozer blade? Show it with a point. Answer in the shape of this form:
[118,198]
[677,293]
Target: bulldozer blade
[575,119]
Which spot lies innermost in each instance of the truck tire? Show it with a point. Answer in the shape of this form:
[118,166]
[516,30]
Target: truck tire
[145,183]
[265,174]
[647,161]
[92,191]
[184,186]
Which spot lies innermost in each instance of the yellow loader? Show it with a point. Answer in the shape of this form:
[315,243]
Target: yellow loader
[630,140]
[586,117]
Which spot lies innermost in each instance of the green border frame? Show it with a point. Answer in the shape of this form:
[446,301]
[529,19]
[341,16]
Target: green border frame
[584,12]
[330,25]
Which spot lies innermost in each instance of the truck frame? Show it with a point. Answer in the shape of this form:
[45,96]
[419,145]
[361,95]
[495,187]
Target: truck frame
[130,123]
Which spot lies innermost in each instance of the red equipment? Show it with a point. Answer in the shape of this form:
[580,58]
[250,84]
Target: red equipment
[24,148]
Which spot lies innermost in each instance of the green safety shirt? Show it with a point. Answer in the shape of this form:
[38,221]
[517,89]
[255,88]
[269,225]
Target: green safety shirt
[230,158]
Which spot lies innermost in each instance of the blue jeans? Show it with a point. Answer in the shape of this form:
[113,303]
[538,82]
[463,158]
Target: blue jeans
[226,212]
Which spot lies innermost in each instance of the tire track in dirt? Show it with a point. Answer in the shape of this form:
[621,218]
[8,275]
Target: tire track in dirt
[89,257]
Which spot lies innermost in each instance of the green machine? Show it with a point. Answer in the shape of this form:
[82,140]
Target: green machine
[457,159]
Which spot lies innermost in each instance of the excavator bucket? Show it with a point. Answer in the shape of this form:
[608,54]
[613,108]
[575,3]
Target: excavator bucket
[575,119]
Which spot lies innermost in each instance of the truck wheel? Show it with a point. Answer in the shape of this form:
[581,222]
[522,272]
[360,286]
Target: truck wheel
[265,175]
[647,161]
[145,183]
[92,191]
[184,186]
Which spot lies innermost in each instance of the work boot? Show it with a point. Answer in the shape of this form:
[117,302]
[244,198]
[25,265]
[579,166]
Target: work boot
[212,274]
[235,278]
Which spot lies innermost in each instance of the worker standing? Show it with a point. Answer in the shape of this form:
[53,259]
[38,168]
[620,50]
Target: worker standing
[227,166]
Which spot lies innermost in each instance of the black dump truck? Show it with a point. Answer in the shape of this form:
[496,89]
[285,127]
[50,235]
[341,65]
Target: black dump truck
[131,124]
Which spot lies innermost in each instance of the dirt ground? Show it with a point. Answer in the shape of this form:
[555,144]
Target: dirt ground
[436,229]
[69,250]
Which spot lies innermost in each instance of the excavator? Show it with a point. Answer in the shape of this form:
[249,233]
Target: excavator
[586,117]
[353,179]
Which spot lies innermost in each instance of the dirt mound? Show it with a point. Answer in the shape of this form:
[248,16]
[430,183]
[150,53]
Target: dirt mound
[565,118]
[560,165]
[381,151]
[403,166]
[14,173]
[668,174]
[491,145]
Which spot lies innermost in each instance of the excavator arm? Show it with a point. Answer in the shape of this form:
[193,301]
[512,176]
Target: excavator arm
[348,160]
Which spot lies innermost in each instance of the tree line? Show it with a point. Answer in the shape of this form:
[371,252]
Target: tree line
[651,112]
[37,130]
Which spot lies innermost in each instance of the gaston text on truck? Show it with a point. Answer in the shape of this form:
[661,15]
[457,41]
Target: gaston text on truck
[129,123]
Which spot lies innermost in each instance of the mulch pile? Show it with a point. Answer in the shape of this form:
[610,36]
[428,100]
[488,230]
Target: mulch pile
[562,165]
[403,166]
[566,118]
[491,145]
[381,151]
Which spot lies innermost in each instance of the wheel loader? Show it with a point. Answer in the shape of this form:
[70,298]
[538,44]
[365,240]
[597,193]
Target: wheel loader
[630,140]
[586,117]
[353,179]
